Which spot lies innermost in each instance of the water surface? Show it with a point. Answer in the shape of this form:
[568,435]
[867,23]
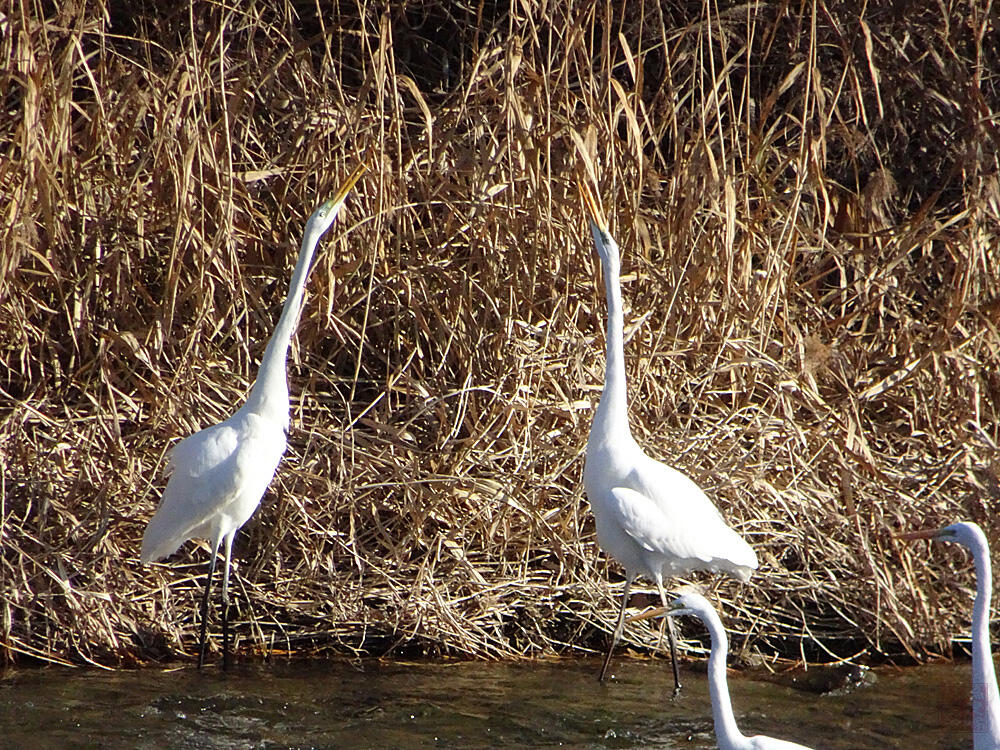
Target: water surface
[542,704]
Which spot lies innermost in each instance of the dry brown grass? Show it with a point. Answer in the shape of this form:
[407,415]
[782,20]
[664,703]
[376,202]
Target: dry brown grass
[809,210]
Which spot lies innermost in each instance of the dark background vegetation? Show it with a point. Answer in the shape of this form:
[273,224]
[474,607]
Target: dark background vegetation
[807,200]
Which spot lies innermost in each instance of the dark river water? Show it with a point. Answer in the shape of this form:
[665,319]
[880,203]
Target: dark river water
[467,705]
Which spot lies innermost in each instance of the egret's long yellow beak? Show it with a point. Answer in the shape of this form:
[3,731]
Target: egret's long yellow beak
[593,207]
[649,614]
[921,534]
[349,183]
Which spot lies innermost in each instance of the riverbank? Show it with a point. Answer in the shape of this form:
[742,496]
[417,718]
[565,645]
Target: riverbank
[808,207]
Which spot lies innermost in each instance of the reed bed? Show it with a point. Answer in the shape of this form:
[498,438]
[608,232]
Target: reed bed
[808,203]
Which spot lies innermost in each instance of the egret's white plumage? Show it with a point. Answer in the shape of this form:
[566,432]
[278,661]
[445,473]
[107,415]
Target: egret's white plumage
[217,476]
[651,518]
[727,734]
[985,698]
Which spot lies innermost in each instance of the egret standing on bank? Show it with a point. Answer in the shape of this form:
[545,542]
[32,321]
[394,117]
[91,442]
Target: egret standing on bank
[727,734]
[651,518]
[985,699]
[218,475]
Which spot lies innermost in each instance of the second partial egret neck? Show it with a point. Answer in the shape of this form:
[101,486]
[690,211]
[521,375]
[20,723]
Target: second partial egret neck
[985,698]
[611,418]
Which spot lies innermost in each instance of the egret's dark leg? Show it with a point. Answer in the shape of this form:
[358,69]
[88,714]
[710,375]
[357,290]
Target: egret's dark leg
[225,604]
[204,607]
[619,628]
[671,631]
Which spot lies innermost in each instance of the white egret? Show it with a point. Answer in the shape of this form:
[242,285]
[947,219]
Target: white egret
[218,475]
[727,734]
[985,699]
[651,518]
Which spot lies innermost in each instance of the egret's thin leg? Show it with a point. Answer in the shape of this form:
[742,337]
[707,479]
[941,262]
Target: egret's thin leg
[671,631]
[619,628]
[202,638]
[225,603]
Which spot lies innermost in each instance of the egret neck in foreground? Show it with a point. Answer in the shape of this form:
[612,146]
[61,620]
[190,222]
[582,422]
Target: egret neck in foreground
[985,699]
[651,518]
[727,734]
[217,476]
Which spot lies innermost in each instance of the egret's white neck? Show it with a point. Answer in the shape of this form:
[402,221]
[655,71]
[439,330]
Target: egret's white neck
[985,699]
[611,418]
[269,395]
[726,731]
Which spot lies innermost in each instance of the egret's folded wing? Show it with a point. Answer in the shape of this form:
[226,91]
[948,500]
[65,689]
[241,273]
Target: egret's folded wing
[685,530]
[204,476]
[204,450]
[685,505]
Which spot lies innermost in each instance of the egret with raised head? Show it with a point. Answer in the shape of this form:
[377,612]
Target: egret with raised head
[651,518]
[218,475]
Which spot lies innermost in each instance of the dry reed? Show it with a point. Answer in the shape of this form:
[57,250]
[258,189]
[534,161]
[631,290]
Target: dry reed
[808,204]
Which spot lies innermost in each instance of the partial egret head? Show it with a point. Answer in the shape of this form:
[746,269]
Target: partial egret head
[323,217]
[604,243]
[690,603]
[965,533]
